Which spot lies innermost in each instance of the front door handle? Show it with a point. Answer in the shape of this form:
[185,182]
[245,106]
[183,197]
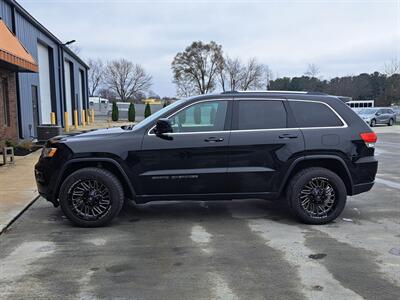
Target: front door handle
[213,139]
[288,136]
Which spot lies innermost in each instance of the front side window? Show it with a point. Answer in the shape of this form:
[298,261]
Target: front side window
[314,114]
[199,117]
[261,114]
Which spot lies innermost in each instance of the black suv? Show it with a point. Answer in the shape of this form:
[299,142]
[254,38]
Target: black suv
[310,148]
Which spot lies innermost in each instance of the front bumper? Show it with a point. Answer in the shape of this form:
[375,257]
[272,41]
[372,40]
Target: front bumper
[46,178]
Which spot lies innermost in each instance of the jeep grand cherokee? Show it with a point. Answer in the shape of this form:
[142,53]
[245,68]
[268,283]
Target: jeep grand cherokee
[308,148]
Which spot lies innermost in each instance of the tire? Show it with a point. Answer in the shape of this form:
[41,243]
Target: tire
[91,190]
[298,186]
[391,121]
[373,123]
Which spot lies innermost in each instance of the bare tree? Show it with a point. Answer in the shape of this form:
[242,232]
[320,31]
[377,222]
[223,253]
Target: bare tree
[253,76]
[392,67]
[95,75]
[184,87]
[235,75]
[126,78]
[312,70]
[268,75]
[196,68]
[231,75]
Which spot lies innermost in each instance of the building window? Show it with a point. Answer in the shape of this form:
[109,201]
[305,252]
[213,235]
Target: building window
[5,100]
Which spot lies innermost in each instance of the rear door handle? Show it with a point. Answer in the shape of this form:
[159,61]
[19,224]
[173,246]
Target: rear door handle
[288,136]
[213,139]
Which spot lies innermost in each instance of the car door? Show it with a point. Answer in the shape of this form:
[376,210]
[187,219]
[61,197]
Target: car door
[381,116]
[193,159]
[263,143]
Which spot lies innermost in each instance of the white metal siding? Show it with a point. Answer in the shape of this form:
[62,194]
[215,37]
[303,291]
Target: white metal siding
[44,82]
[68,94]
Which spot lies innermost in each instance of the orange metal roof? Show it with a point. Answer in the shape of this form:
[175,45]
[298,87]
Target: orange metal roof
[13,52]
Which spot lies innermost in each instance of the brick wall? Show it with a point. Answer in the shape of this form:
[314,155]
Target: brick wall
[9,132]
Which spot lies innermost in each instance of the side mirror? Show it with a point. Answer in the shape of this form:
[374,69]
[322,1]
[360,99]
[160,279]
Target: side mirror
[163,126]
[378,114]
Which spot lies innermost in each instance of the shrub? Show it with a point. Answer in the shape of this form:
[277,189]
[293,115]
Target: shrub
[197,114]
[131,113]
[26,145]
[115,112]
[10,143]
[147,110]
[212,115]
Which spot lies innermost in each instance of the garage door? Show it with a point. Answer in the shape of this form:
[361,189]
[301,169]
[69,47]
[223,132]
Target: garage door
[44,84]
[68,88]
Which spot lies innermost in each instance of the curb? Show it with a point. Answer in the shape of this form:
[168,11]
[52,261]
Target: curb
[3,230]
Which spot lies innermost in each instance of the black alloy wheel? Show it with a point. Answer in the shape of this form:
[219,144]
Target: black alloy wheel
[91,197]
[316,195]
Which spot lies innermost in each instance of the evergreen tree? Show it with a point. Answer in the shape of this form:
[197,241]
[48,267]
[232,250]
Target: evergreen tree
[197,114]
[131,113]
[115,112]
[147,110]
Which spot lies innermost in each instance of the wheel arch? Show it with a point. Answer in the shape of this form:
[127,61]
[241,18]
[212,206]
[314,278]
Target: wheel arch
[108,164]
[331,162]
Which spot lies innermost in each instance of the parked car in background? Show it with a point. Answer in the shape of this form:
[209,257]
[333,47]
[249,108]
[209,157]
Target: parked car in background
[378,115]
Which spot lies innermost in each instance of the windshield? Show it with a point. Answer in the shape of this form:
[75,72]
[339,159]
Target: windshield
[367,111]
[156,115]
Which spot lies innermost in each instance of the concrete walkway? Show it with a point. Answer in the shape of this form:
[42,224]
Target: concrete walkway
[17,187]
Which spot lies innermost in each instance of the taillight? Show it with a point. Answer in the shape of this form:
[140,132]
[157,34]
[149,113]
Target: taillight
[369,138]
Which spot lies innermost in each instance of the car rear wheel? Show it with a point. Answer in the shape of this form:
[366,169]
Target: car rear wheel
[391,121]
[373,123]
[91,197]
[316,196]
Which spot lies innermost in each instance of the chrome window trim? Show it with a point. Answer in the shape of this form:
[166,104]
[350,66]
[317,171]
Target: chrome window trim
[191,104]
[255,130]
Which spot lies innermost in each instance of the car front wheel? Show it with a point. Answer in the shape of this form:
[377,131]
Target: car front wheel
[373,123]
[391,122]
[91,197]
[316,196]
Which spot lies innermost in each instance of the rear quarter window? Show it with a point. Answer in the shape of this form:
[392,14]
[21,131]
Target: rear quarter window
[314,114]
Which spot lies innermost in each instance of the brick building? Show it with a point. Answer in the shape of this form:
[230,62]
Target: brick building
[56,84]
[14,58]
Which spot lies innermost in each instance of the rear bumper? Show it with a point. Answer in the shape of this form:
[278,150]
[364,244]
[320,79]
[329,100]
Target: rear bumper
[364,174]
[362,187]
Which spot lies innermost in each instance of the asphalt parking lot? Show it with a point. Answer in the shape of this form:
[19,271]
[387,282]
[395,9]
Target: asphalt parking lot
[213,250]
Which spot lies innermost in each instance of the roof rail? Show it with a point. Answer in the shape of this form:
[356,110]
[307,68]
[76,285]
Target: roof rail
[275,91]
[229,92]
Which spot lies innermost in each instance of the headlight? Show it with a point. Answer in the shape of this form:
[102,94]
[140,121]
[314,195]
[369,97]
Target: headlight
[49,152]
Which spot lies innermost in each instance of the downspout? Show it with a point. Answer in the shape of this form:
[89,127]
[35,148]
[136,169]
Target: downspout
[61,82]
[87,88]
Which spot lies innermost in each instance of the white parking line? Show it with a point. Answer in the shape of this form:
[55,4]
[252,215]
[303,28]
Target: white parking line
[220,287]
[388,183]
[318,282]
[19,263]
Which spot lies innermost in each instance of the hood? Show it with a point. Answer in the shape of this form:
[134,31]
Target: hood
[96,133]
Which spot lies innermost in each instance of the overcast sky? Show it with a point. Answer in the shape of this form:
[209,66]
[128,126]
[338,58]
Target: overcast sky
[341,37]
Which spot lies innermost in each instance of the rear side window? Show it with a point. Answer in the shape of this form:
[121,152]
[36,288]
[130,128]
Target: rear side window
[314,114]
[261,114]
